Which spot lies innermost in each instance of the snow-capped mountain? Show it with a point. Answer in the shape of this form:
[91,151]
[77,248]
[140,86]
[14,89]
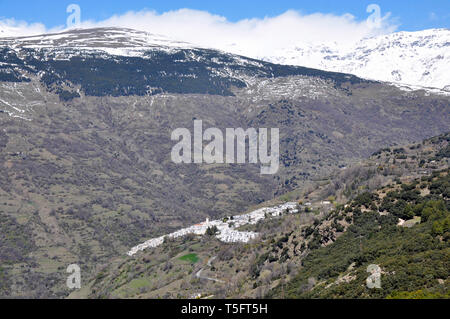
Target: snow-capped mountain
[131,62]
[414,58]
[408,58]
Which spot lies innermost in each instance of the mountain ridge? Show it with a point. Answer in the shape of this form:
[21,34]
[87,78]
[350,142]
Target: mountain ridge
[427,51]
[87,58]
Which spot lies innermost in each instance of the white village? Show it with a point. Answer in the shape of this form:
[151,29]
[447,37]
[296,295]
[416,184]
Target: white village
[226,228]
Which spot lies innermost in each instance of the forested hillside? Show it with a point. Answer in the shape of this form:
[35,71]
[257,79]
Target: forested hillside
[414,256]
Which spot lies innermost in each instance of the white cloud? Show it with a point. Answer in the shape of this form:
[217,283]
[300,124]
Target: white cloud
[252,36]
[15,28]
[11,27]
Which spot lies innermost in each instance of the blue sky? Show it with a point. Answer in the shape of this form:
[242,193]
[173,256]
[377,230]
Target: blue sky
[411,15]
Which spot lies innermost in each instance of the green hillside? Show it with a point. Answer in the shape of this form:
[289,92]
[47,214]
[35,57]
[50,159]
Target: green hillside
[415,259]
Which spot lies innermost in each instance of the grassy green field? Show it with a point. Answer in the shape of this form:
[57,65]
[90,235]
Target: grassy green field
[192,258]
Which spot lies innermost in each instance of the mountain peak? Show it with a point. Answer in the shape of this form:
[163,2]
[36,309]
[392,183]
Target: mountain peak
[95,38]
[414,58]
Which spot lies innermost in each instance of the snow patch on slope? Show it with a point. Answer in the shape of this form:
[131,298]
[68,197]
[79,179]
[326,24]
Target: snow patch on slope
[113,41]
[17,101]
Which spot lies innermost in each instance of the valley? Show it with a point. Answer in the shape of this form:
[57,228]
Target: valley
[86,169]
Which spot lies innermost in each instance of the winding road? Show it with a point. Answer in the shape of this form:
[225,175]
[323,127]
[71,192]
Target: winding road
[199,273]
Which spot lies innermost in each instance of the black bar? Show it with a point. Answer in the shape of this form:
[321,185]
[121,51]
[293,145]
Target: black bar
[192,309]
